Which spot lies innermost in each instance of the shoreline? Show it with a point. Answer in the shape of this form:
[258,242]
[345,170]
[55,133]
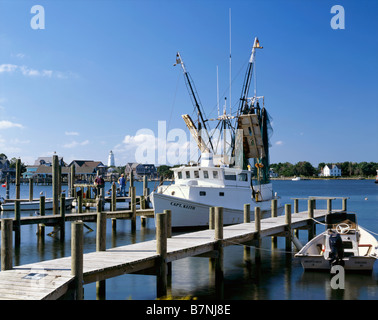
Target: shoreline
[323,178]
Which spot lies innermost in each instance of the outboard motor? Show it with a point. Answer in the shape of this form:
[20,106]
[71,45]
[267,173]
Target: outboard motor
[336,254]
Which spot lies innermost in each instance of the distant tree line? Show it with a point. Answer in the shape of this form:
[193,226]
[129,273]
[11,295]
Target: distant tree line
[306,169]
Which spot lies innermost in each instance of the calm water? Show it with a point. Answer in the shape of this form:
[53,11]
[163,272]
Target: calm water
[280,275]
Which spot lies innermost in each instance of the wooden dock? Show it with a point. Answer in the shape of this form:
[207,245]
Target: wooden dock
[54,278]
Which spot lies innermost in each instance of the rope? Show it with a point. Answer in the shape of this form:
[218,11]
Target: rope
[259,248]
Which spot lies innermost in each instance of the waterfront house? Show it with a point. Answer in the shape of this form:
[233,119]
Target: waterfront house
[140,170]
[331,171]
[5,168]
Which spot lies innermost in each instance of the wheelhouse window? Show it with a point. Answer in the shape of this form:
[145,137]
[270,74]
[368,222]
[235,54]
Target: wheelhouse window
[202,193]
[242,177]
[187,174]
[206,174]
[215,174]
[179,175]
[196,174]
[221,194]
[230,176]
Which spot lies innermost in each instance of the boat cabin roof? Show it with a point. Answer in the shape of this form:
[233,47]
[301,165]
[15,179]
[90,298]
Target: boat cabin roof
[211,176]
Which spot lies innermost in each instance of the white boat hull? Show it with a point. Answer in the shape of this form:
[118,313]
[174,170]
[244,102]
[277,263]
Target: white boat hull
[363,261]
[33,205]
[351,263]
[187,213]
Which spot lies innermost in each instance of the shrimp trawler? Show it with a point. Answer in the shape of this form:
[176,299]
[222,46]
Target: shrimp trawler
[224,175]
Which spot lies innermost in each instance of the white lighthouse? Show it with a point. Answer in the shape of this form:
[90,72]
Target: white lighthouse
[111,162]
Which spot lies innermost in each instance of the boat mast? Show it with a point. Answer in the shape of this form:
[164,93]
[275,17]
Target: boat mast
[195,100]
[247,79]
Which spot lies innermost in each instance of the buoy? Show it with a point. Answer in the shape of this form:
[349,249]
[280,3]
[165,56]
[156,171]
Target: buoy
[366,198]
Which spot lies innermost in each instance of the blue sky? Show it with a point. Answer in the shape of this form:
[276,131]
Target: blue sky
[101,71]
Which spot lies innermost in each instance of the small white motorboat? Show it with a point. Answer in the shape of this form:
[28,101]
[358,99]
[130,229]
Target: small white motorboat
[33,205]
[344,243]
[296,179]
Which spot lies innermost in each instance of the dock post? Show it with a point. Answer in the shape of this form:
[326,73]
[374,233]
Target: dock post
[219,244]
[258,236]
[80,202]
[100,246]
[296,210]
[41,226]
[18,178]
[17,224]
[31,189]
[344,204]
[311,225]
[114,197]
[288,226]
[211,218]
[55,183]
[7,179]
[247,213]
[329,206]
[161,250]
[274,215]
[101,228]
[169,223]
[133,209]
[62,216]
[72,181]
[77,258]
[6,244]
[296,205]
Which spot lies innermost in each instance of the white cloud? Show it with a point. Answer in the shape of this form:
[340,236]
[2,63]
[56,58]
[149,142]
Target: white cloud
[30,72]
[279,143]
[4,124]
[71,133]
[75,144]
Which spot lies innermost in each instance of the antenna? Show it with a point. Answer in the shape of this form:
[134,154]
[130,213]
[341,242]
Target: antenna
[217,92]
[230,58]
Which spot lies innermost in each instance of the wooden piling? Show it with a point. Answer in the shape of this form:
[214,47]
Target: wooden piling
[288,226]
[18,178]
[62,216]
[273,215]
[296,205]
[133,209]
[344,204]
[258,236]
[211,218]
[31,193]
[169,223]
[247,213]
[77,258]
[6,244]
[72,181]
[55,184]
[329,206]
[311,224]
[161,250]
[219,245]
[17,224]
[114,197]
[101,231]
[41,226]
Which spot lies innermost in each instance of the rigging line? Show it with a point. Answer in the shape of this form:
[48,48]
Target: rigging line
[227,88]
[174,101]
